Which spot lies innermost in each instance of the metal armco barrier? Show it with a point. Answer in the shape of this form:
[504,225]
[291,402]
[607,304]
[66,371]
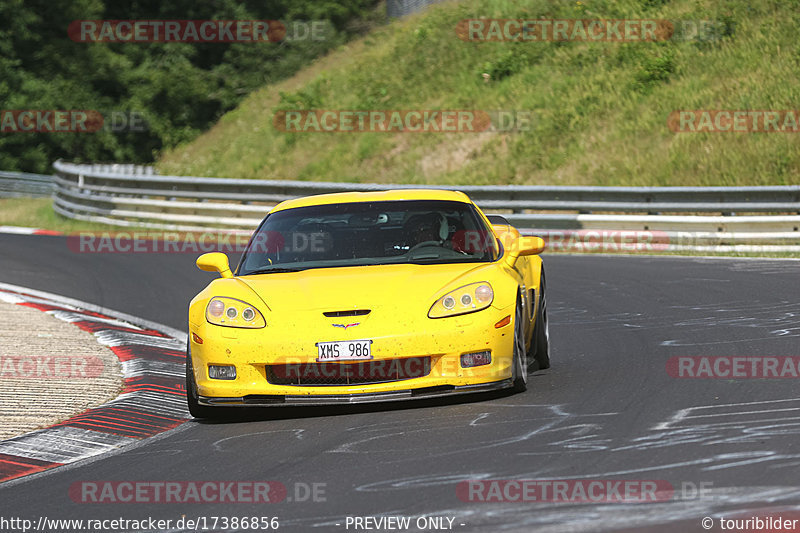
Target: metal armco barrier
[24,184]
[401,8]
[125,195]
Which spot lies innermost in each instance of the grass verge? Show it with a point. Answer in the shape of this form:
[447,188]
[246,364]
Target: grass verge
[599,108]
[38,213]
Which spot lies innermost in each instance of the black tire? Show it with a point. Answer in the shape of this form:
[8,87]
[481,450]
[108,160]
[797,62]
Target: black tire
[195,409]
[519,369]
[541,330]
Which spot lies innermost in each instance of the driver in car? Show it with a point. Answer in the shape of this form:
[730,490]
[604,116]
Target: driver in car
[427,229]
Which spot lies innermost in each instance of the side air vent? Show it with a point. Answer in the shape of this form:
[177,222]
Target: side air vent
[350,312]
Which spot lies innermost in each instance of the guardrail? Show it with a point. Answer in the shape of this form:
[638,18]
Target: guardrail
[125,195]
[401,8]
[24,184]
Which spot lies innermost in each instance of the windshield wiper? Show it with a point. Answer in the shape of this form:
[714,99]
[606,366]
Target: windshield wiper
[274,270]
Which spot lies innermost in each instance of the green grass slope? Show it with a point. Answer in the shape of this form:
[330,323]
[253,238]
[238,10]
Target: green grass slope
[600,109]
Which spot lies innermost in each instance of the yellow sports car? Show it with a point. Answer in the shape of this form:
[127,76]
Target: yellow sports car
[364,297]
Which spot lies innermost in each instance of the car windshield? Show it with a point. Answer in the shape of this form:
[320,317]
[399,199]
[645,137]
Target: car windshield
[369,233]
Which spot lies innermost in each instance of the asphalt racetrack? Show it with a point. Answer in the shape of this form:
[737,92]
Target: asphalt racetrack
[607,409]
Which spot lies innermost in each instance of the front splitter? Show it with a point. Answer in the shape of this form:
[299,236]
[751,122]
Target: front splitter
[280,400]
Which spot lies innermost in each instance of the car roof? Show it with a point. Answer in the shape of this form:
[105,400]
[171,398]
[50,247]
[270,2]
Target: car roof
[374,196]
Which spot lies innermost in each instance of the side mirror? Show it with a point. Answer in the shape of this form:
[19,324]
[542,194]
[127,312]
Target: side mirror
[524,246]
[215,262]
[531,245]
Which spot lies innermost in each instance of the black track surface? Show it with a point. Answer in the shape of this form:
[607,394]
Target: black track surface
[607,409]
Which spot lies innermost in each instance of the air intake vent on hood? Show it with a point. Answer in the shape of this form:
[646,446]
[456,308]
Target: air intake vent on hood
[350,312]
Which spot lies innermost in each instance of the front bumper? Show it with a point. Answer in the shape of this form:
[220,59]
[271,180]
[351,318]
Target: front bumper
[273,400]
[443,341]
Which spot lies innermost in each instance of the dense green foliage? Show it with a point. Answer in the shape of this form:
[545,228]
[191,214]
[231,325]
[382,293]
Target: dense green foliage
[179,88]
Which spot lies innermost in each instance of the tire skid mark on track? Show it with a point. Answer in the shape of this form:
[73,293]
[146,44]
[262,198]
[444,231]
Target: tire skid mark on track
[676,326]
[218,447]
[546,422]
[152,399]
[733,423]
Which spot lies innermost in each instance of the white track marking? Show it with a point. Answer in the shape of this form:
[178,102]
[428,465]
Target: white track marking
[75,316]
[138,367]
[115,338]
[162,403]
[18,230]
[63,444]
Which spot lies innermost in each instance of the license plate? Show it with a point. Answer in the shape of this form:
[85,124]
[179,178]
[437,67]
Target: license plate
[344,350]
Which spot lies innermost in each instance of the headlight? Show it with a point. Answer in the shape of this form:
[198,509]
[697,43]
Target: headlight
[467,299]
[233,314]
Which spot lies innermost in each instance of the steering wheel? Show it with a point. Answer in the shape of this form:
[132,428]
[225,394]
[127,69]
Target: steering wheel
[425,244]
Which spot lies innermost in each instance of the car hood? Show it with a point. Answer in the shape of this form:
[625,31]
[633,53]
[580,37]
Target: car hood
[364,287]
